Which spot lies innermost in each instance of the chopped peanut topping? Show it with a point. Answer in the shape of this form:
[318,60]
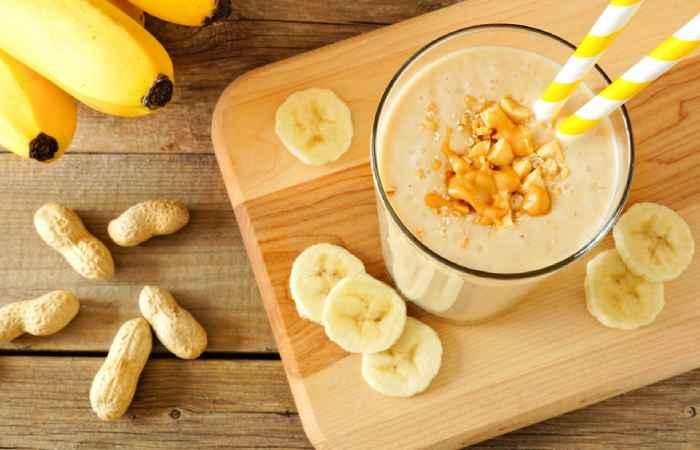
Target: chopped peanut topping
[430,121]
[459,208]
[483,132]
[519,139]
[501,177]
[516,202]
[474,105]
[507,180]
[551,150]
[446,149]
[459,165]
[501,154]
[435,200]
[479,149]
[522,166]
[534,179]
[537,201]
[517,112]
[550,169]
[429,124]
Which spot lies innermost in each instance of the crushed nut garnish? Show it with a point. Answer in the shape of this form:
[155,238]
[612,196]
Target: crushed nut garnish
[499,180]
[474,105]
[430,121]
[436,201]
[429,124]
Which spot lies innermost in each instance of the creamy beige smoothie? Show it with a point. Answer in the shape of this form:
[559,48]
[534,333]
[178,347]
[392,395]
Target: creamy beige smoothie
[412,164]
[427,117]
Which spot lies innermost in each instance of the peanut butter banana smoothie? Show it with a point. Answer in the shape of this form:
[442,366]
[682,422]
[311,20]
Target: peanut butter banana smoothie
[474,178]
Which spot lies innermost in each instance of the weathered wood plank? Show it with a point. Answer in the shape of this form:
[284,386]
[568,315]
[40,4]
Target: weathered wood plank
[179,404]
[205,264]
[660,416]
[208,404]
[338,11]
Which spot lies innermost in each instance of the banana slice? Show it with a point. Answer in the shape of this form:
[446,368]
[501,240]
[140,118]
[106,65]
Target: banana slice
[617,297]
[654,241]
[314,272]
[315,125]
[409,366]
[363,315]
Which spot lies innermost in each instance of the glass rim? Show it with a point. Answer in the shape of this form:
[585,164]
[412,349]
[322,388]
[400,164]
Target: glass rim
[602,232]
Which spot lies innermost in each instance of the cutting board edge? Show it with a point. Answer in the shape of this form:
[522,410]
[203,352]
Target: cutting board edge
[307,414]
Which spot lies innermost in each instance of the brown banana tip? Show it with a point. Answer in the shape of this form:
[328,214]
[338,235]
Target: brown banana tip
[43,147]
[159,94]
[221,11]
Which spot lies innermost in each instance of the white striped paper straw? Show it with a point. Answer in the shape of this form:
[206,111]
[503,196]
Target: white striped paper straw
[641,75]
[604,32]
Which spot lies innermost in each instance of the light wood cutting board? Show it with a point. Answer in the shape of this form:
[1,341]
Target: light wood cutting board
[543,359]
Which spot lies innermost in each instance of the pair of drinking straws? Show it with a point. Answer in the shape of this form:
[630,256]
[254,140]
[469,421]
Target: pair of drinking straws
[604,32]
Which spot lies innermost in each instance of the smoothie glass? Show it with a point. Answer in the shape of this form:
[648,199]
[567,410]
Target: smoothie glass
[436,284]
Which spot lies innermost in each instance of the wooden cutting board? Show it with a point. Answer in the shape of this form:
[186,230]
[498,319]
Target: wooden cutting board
[543,359]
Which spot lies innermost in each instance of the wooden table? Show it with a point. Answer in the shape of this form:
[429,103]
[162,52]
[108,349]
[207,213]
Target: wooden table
[235,396]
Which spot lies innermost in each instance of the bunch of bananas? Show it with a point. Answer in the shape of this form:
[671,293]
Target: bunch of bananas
[95,51]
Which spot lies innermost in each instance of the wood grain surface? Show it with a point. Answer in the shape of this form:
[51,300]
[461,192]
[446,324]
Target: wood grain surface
[204,265]
[234,401]
[216,404]
[179,404]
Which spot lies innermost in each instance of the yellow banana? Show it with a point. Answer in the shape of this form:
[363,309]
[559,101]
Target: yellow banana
[92,50]
[37,119]
[132,10]
[194,13]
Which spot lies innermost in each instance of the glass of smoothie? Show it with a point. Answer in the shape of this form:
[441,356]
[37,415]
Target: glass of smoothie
[458,238]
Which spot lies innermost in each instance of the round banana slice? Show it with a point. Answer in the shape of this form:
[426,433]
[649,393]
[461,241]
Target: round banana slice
[363,315]
[654,241]
[314,273]
[617,297]
[409,366]
[315,125]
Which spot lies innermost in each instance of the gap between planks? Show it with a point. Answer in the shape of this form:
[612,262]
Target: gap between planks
[208,356]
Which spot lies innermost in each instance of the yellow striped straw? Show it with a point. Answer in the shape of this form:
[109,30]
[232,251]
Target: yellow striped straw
[641,75]
[606,29]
